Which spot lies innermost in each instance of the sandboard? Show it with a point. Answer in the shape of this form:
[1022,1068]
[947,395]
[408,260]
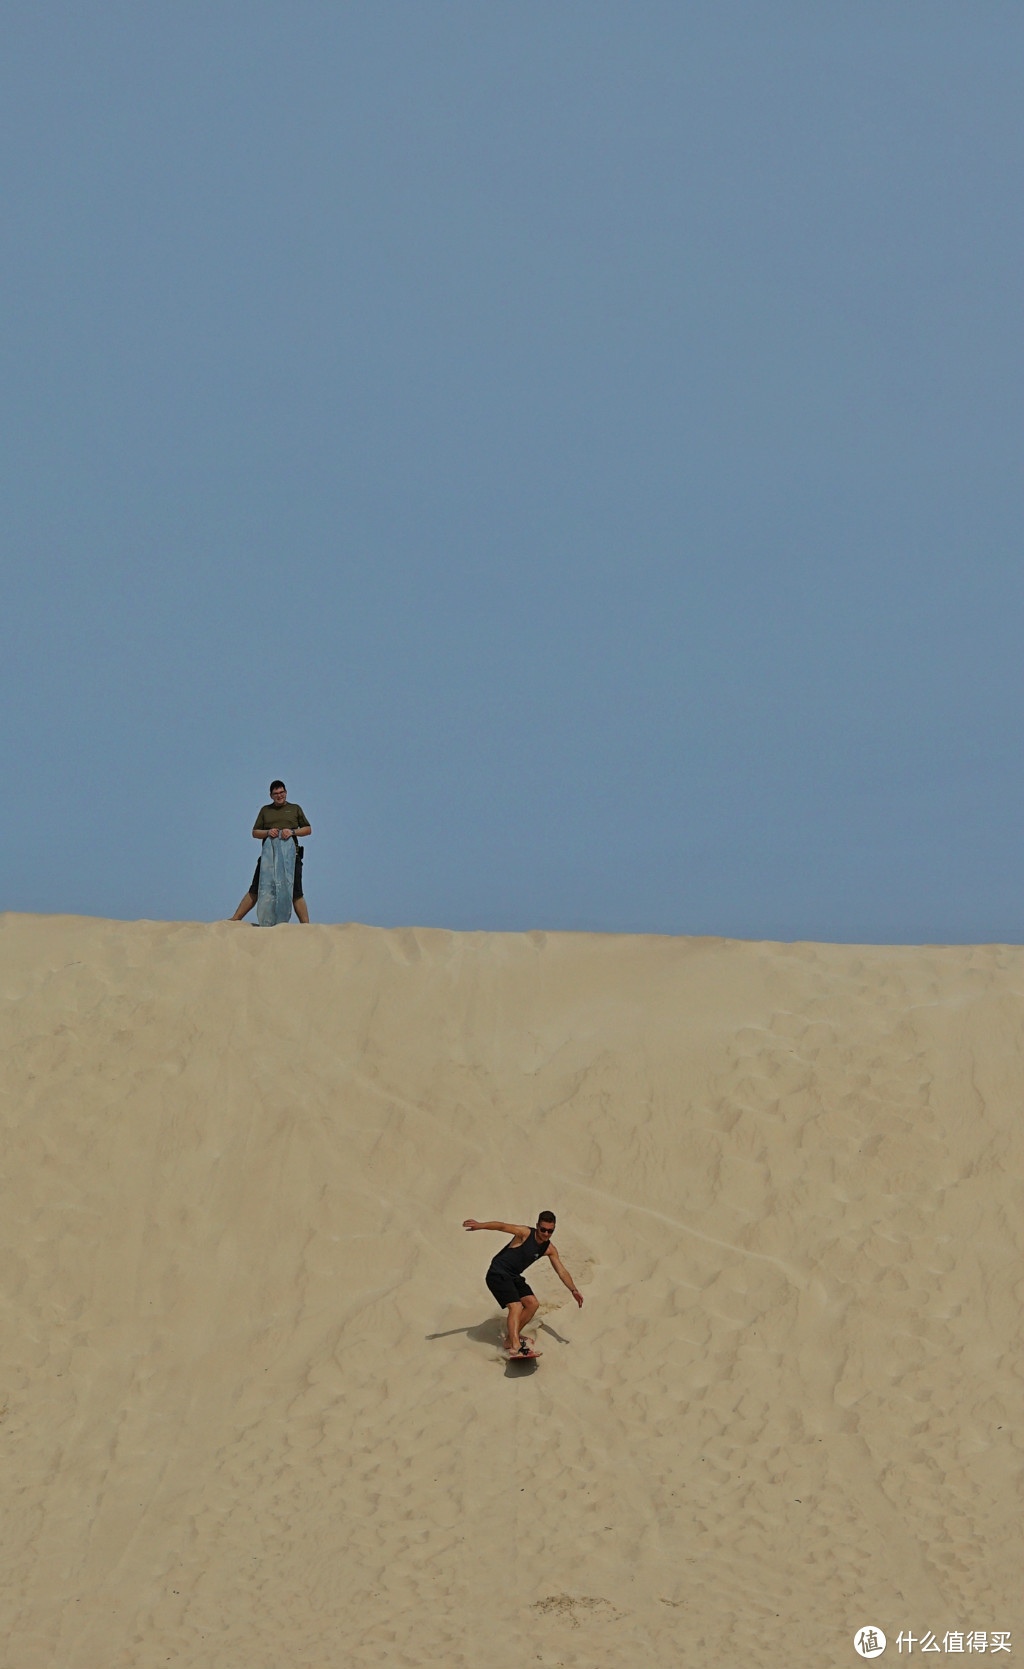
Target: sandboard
[518,1356]
[277,876]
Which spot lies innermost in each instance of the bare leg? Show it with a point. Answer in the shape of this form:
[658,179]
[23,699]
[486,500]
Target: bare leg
[519,1313]
[300,910]
[515,1317]
[530,1307]
[243,909]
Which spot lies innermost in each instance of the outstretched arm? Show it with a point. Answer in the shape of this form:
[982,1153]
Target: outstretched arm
[502,1228]
[564,1276]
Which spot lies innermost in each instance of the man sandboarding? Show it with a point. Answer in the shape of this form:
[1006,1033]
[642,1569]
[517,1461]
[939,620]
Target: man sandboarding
[505,1276]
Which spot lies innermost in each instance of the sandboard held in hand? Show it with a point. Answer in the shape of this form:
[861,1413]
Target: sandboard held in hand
[277,877]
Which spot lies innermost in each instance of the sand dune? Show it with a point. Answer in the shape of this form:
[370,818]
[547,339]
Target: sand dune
[254,1410]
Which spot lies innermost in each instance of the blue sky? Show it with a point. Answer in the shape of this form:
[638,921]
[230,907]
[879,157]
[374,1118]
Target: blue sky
[577,447]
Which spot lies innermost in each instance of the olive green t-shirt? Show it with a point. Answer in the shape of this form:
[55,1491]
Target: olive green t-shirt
[281,817]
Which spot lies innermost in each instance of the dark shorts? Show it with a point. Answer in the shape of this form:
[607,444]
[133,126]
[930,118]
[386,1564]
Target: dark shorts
[254,890]
[507,1289]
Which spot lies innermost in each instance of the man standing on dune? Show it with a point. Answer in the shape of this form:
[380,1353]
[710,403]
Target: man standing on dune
[505,1276]
[280,820]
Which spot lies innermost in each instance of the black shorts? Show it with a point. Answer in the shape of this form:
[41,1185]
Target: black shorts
[507,1289]
[254,890]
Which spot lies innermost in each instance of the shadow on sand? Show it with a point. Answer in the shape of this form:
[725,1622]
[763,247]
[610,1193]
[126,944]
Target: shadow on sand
[492,1332]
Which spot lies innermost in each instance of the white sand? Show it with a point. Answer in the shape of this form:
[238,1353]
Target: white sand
[255,1412]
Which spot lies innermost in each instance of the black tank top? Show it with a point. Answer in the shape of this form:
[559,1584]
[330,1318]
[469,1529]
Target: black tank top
[512,1260]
